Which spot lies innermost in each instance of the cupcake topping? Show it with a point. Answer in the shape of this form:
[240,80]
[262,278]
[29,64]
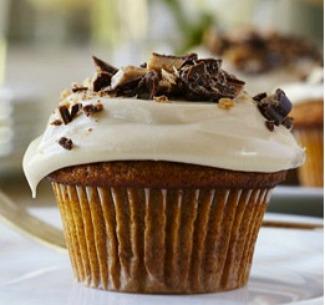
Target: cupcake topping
[66,115]
[66,143]
[177,77]
[254,52]
[275,108]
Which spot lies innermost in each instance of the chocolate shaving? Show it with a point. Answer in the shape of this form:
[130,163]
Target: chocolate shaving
[177,77]
[275,108]
[77,88]
[102,80]
[105,72]
[75,110]
[66,143]
[65,114]
[104,66]
[91,109]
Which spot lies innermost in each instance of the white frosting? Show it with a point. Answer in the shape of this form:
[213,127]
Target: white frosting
[310,90]
[197,133]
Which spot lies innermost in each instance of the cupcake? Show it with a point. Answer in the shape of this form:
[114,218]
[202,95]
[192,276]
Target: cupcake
[264,60]
[307,98]
[162,173]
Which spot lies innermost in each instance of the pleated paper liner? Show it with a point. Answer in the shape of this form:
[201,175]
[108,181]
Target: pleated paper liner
[311,173]
[161,240]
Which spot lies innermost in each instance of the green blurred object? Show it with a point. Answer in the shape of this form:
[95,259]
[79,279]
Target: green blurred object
[192,32]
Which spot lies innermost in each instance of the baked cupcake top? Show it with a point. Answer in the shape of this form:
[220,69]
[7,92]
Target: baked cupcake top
[263,59]
[179,109]
[254,52]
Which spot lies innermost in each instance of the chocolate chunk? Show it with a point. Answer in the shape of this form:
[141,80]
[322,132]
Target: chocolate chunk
[269,125]
[66,143]
[102,80]
[180,77]
[56,123]
[74,110]
[284,105]
[148,85]
[104,66]
[259,96]
[275,107]
[65,114]
[90,109]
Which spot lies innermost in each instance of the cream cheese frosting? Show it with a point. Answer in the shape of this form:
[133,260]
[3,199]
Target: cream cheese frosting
[189,132]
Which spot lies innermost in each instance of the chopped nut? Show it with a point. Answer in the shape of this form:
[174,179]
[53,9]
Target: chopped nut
[226,103]
[161,99]
[64,94]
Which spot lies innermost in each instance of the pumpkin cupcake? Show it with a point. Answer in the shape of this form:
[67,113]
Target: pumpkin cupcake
[162,173]
[264,60]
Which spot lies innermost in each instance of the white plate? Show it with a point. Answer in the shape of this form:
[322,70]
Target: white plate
[287,269]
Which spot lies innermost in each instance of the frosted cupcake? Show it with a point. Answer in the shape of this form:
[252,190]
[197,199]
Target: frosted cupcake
[264,60]
[307,98]
[162,173]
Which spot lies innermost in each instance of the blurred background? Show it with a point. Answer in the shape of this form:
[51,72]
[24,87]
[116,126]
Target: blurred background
[45,45]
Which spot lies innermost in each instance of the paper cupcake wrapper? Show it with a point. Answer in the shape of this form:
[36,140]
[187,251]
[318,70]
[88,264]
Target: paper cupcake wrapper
[311,173]
[161,240]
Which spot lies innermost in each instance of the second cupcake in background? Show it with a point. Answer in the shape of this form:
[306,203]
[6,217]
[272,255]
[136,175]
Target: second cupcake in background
[264,60]
[307,98]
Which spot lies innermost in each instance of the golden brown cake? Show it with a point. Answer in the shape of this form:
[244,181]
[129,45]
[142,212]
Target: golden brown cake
[162,174]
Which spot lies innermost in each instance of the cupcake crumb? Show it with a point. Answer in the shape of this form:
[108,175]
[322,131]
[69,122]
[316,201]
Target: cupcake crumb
[161,99]
[91,109]
[56,122]
[226,103]
[64,94]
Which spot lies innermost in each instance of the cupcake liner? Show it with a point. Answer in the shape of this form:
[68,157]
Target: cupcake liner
[311,173]
[161,240]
